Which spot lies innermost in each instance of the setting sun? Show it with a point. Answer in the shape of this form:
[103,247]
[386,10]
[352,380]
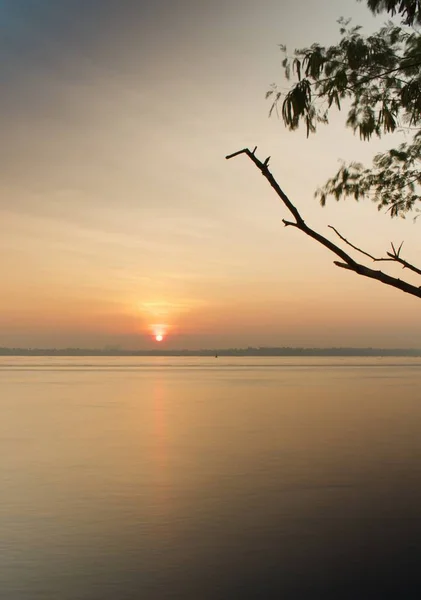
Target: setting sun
[159,331]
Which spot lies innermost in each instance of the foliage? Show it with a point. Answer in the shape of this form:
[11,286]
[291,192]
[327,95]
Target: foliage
[408,9]
[378,79]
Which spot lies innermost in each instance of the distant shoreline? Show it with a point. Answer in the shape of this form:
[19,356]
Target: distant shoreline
[217,352]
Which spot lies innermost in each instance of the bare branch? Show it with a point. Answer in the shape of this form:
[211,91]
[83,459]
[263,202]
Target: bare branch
[392,256]
[348,262]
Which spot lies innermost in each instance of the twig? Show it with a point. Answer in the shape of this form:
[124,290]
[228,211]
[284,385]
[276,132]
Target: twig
[352,245]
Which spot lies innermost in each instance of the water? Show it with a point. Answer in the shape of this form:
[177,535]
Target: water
[197,478]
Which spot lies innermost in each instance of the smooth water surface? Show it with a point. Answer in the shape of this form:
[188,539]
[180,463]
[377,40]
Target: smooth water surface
[199,478]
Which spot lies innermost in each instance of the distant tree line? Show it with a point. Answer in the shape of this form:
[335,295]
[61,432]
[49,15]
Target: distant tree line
[219,352]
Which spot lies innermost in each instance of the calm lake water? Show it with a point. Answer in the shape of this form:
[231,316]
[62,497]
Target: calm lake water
[197,478]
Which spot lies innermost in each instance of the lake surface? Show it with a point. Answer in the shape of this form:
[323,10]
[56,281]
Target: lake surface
[198,478]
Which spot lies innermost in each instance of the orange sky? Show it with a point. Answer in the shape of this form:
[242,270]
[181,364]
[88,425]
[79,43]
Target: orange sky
[119,211]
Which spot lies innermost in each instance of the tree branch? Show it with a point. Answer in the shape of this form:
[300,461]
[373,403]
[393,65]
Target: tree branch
[393,256]
[348,262]
[355,247]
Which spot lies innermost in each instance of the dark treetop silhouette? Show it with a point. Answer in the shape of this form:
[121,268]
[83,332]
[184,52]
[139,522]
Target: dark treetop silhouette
[379,76]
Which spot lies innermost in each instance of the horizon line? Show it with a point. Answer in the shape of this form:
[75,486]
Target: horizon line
[239,351]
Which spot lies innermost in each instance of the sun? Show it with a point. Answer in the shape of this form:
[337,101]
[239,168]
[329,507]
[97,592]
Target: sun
[158,332]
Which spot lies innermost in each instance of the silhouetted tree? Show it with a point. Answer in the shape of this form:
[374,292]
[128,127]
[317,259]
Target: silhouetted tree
[378,78]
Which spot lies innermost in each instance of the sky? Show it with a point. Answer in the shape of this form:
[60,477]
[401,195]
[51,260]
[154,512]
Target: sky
[121,218]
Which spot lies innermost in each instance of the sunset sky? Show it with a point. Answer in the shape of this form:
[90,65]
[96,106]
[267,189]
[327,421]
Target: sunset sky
[119,213]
